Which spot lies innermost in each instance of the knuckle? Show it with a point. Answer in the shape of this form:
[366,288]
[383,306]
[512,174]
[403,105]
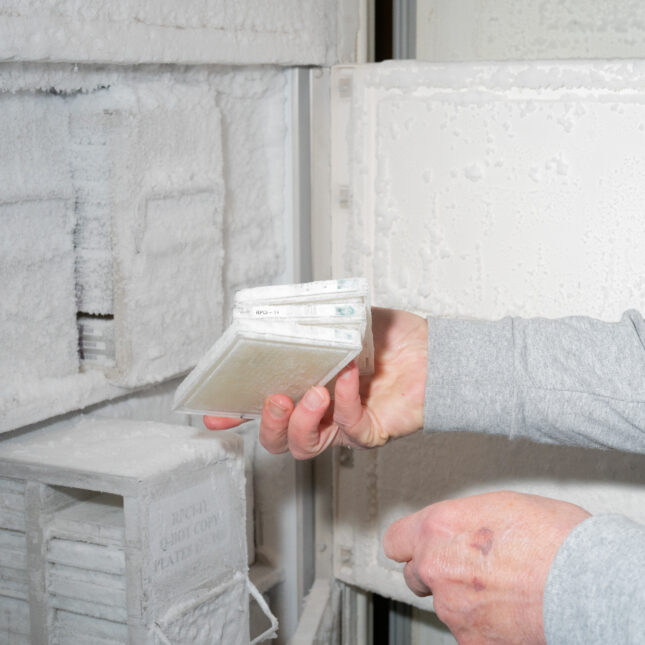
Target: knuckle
[428,524]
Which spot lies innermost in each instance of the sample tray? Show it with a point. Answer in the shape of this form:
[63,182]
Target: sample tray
[253,359]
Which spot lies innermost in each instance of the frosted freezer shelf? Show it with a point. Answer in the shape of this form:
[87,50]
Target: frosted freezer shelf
[253,359]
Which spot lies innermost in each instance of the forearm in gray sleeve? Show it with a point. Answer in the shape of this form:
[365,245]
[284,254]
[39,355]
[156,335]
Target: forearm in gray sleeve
[571,380]
[595,592]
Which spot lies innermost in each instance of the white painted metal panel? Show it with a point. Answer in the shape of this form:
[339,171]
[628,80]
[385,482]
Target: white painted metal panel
[529,29]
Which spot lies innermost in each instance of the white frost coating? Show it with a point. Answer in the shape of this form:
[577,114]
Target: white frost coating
[87,584]
[151,404]
[166,190]
[14,618]
[14,592]
[119,448]
[98,520]
[148,143]
[116,564]
[91,129]
[294,32]
[81,554]
[38,314]
[73,629]
[221,617]
[497,189]
[12,504]
[254,123]
[483,190]
[86,567]
[13,549]
[28,401]
[529,29]
[87,608]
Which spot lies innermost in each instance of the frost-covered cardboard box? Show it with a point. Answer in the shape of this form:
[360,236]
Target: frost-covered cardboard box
[135,533]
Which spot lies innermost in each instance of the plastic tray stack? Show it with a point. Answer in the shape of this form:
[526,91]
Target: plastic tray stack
[284,339]
[14,591]
[86,572]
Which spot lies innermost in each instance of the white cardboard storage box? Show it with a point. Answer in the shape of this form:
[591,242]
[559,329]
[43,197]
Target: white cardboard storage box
[123,532]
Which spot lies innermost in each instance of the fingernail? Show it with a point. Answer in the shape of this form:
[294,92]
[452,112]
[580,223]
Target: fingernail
[312,399]
[277,411]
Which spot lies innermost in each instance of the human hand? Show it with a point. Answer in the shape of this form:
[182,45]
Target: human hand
[485,559]
[367,411]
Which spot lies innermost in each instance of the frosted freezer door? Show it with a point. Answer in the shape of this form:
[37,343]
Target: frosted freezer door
[483,190]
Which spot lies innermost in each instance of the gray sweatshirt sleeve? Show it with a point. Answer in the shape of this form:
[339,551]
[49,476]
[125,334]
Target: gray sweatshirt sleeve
[573,381]
[595,592]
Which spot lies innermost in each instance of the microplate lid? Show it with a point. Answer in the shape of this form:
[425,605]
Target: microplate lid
[322,290]
[252,360]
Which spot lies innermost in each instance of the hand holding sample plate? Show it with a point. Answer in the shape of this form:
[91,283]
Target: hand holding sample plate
[284,339]
[367,410]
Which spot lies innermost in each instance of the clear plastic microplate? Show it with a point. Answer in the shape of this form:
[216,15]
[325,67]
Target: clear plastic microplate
[319,291]
[254,359]
[351,314]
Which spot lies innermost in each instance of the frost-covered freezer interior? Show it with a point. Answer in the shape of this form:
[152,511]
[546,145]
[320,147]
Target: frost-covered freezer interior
[146,175]
[150,168]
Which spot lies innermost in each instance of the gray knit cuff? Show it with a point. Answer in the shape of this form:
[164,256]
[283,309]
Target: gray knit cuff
[470,380]
[595,592]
